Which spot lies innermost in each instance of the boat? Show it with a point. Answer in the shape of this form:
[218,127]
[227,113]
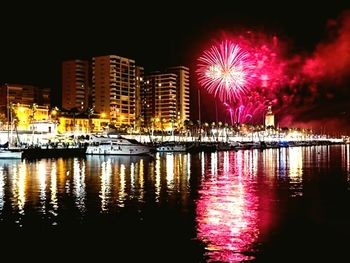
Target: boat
[54,151]
[6,153]
[171,147]
[115,145]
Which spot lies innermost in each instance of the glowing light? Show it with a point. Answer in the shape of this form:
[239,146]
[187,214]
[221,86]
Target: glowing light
[225,70]
[296,171]
[132,176]
[227,214]
[170,170]
[79,184]
[106,173]
[41,168]
[121,192]
[53,189]
[214,163]
[141,178]
[157,172]
[2,188]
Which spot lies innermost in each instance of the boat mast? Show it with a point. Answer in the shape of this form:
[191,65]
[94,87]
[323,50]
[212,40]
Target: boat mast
[199,115]
[8,113]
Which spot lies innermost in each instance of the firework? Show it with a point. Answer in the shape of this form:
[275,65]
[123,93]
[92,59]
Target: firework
[226,71]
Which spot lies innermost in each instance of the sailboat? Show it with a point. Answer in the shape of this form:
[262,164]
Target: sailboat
[6,150]
[10,153]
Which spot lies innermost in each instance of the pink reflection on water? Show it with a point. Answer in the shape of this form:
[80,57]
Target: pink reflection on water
[227,214]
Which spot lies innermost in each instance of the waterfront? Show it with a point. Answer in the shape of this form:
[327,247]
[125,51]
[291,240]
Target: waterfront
[277,204]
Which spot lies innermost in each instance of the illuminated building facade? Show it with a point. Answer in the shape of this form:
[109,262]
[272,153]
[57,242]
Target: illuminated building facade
[81,124]
[139,88]
[18,94]
[160,101]
[75,84]
[269,118]
[113,93]
[26,115]
[166,97]
[182,92]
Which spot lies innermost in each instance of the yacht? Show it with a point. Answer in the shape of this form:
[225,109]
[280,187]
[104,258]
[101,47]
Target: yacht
[10,154]
[115,145]
[171,147]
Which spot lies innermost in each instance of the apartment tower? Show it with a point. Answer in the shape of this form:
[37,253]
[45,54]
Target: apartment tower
[75,84]
[160,101]
[113,83]
[182,93]
[139,88]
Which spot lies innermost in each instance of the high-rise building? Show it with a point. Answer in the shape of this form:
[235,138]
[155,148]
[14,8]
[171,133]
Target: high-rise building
[269,118]
[167,95]
[23,95]
[183,92]
[139,88]
[75,85]
[113,83]
[160,102]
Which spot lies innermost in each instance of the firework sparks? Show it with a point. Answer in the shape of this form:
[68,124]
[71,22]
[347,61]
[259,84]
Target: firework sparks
[225,71]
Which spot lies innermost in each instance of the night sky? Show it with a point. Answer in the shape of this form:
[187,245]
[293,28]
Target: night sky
[36,39]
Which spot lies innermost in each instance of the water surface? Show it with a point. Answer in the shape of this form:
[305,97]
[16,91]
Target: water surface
[287,204]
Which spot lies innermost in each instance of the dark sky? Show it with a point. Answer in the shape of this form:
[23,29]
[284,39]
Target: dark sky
[36,39]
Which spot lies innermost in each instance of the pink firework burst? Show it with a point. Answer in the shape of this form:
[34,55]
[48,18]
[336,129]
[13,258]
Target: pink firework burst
[226,71]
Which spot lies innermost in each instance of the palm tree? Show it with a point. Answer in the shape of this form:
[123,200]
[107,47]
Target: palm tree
[90,111]
[34,107]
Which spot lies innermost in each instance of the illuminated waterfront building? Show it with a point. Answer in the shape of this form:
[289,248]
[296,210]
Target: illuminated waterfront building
[269,118]
[139,88]
[81,124]
[166,97]
[113,88]
[182,92]
[160,101]
[18,94]
[75,84]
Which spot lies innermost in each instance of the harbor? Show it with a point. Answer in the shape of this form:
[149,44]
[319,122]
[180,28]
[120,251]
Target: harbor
[48,145]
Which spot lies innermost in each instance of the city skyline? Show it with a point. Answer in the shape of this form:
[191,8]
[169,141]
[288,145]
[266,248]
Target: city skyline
[163,39]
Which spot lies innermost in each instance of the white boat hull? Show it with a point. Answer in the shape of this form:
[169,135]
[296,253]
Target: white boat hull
[172,148]
[8,154]
[115,146]
[117,150]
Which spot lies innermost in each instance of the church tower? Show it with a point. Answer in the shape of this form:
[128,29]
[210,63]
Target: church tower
[269,118]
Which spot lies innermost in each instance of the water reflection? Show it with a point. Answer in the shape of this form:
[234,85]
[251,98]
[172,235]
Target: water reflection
[345,158]
[296,171]
[79,186]
[122,178]
[2,187]
[158,175]
[20,187]
[236,199]
[106,174]
[53,190]
[227,208]
[6,166]
[41,168]
[172,177]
